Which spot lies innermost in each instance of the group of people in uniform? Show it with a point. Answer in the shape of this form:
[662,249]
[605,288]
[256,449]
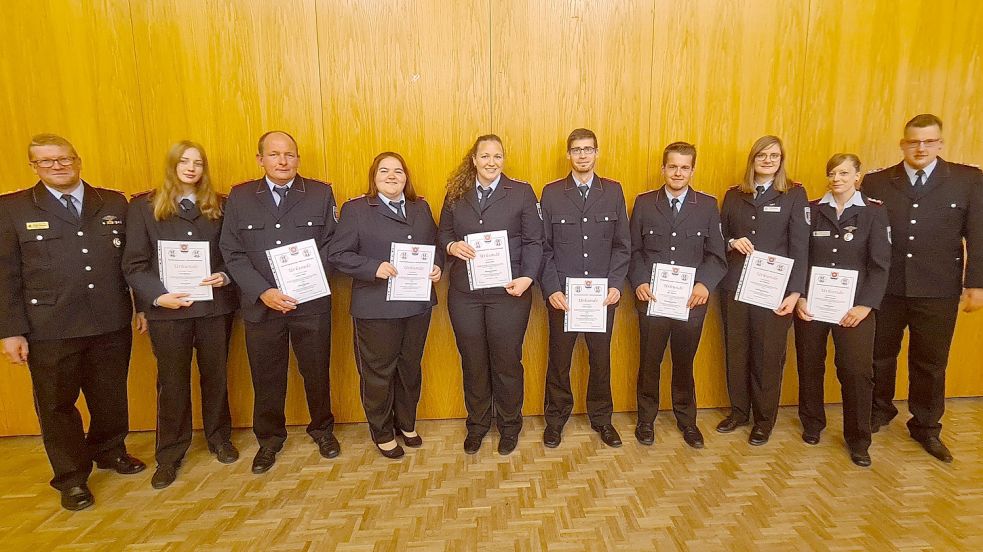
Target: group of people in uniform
[76,262]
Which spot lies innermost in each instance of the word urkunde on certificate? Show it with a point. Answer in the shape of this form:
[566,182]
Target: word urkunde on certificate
[413,263]
[672,286]
[298,271]
[831,293]
[585,301]
[492,265]
[764,279]
[183,265]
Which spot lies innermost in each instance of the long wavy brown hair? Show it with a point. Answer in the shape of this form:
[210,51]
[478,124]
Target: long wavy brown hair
[166,195]
[781,182]
[463,177]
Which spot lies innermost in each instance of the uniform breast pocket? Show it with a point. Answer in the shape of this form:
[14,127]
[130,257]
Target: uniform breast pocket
[653,239]
[36,246]
[252,236]
[564,228]
[697,235]
[606,222]
[113,236]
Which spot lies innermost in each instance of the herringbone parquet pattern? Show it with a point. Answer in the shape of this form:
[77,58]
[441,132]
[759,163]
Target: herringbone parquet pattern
[579,497]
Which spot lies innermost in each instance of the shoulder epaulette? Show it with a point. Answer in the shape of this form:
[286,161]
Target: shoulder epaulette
[875,201]
[560,181]
[354,198]
[5,194]
[517,181]
[713,197]
[421,197]
[141,194]
[816,201]
[878,169]
[796,184]
[120,192]
[610,180]
[735,187]
[243,182]
[645,192]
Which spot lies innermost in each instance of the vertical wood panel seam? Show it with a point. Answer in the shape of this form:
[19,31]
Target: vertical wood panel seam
[140,99]
[491,74]
[801,88]
[320,97]
[651,113]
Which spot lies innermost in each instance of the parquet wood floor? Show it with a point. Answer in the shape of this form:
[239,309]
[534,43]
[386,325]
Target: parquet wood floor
[582,496]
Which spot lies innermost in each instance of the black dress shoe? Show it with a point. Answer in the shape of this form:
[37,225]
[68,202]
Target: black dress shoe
[645,433]
[164,476]
[729,424]
[77,498]
[264,460]
[391,453]
[609,435]
[413,442]
[472,443]
[810,437]
[126,465]
[328,446]
[693,437]
[860,458]
[506,444]
[759,436]
[225,453]
[551,437]
[935,447]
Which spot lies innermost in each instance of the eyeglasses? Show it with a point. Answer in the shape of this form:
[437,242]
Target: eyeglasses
[915,144]
[769,156]
[48,163]
[588,150]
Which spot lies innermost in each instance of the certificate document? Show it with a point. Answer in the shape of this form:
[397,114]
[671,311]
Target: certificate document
[672,286]
[492,265]
[183,265]
[298,270]
[413,264]
[585,298]
[831,293]
[764,279]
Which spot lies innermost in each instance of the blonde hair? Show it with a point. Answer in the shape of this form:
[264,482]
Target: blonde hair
[165,196]
[781,180]
[463,177]
[39,140]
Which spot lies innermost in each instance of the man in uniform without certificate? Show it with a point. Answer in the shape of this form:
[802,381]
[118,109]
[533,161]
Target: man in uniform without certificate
[676,226]
[586,229]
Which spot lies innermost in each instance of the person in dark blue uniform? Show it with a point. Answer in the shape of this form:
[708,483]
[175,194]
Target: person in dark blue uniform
[390,335]
[849,232]
[935,208]
[674,225]
[184,208]
[280,209]
[490,324]
[586,236]
[766,212]
[66,311]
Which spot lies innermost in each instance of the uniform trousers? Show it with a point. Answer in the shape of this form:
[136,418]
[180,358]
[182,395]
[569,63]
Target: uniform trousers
[489,329]
[174,342]
[268,346]
[931,322]
[683,339]
[388,352]
[755,339]
[97,366]
[559,397]
[854,351]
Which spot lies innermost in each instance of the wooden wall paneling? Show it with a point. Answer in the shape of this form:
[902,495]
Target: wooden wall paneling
[68,68]
[411,77]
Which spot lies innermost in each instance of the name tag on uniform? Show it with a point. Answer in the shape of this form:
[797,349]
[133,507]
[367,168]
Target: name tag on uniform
[773,208]
[821,234]
[40,225]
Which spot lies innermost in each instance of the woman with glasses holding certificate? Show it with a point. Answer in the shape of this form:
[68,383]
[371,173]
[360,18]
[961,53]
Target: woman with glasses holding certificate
[491,225]
[765,213]
[849,258]
[173,264]
[385,241]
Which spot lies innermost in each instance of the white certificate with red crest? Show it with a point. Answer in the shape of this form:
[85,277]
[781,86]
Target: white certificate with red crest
[585,299]
[413,263]
[492,265]
[298,271]
[672,286]
[831,293]
[764,279]
[183,265]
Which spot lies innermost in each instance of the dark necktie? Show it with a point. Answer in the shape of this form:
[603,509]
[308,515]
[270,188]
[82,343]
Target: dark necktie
[583,191]
[675,207]
[70,204]
[919,177]
[187,204]
[398,207]
[483,200]
[760,190]
[282,192]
